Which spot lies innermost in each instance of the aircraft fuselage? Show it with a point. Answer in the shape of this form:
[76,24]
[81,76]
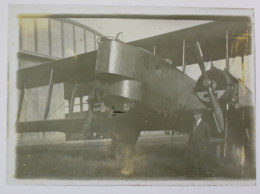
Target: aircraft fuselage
[137,89]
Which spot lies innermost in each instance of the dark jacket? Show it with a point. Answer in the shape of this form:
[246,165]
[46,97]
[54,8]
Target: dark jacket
[200,136]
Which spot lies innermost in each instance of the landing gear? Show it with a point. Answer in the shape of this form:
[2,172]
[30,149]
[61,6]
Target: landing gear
[123,150]
[240,152]
[237,154]
[123,140]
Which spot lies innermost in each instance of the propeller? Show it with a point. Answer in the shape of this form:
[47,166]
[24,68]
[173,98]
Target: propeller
[210,85]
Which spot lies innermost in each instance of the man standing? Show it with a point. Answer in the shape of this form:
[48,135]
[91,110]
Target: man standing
[197,145]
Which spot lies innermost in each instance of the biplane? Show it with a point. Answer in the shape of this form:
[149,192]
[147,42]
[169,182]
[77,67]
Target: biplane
[142,86]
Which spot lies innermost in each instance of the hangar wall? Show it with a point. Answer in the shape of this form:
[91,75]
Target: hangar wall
[43,40]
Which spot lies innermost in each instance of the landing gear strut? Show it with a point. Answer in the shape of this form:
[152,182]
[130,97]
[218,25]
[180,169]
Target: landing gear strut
[123,141]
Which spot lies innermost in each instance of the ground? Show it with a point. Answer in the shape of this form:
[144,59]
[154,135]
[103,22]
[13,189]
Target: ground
[155,158]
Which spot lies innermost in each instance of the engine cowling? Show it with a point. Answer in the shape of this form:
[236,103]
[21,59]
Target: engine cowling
[225,87]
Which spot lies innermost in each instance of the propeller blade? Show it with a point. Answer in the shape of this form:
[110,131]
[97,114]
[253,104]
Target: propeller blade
[217,111]
[200,59]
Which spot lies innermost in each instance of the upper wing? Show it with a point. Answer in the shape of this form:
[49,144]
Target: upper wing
[211,36]
[79,68]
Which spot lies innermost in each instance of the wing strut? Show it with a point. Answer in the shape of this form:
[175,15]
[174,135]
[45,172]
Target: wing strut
[227,56]
[227,106]
[72,99]
[20,105]
[48,102]
[183,57]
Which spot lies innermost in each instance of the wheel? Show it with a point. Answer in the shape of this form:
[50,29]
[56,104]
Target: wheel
[237,154]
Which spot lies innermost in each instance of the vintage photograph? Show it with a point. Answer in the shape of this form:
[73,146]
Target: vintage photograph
[134,97]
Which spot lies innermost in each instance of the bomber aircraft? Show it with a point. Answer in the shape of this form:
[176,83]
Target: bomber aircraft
[140,86]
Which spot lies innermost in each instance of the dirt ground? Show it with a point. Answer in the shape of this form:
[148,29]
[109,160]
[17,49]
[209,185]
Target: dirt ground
[160,158]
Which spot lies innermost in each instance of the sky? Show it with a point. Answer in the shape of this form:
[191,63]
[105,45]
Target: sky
[135,29]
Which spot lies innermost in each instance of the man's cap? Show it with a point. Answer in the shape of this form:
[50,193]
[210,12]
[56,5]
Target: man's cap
[197,112]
